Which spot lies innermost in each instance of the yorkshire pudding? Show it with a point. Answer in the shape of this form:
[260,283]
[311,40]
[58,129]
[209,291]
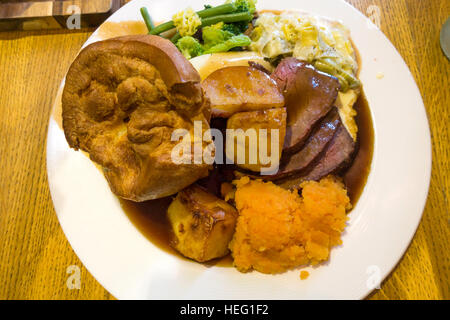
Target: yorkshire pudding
[122,100]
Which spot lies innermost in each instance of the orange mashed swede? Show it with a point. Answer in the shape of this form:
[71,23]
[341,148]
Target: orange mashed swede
[304,275]
[278,229]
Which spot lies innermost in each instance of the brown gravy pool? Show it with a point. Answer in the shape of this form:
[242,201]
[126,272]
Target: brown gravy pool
[356,176]
[151,220]
[150,216]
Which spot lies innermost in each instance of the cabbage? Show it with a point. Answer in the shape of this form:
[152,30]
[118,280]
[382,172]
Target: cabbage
[186,21]
[324,43]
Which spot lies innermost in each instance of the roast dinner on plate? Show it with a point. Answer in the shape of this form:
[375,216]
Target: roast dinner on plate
[229,133]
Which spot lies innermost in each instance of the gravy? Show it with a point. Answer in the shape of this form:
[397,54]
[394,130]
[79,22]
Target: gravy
[150,219]
[355,177]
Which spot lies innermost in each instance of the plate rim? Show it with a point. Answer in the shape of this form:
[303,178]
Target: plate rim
[397,259]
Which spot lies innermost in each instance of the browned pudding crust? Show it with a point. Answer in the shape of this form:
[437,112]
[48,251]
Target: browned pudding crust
[122,100]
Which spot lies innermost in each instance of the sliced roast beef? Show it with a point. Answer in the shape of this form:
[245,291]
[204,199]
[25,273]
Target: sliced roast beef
[313,147]
[337,156]
[284,74]
[309,96]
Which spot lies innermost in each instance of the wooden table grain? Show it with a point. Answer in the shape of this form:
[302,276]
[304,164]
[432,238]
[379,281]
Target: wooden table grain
[36,258]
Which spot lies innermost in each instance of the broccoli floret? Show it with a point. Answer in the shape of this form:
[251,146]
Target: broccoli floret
[236,28]
[222,37]
[245,5]
[230,27]
[189,47]
[214,35]
[233,42]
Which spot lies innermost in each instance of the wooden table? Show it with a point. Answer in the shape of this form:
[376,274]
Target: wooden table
[34,253]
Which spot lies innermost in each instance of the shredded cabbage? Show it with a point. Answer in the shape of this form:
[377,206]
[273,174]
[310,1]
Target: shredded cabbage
[326,44]
[186,21]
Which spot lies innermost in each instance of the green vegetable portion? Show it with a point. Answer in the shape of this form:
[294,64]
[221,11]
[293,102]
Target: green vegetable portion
[215,11]
[189,47]
[245,6]
[162,28]
[233,42]
[228,18]
[187,22]
[236,28]
[215,39]
[222,27]
[175,38]
[147,19]
[237,11]
[213,35]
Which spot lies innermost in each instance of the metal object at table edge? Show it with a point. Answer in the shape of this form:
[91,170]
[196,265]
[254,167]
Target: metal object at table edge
[445,38]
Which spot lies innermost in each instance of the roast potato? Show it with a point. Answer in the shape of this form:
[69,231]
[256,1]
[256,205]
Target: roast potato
[202,224]
[240,145]
[208,63]
[241,88]
[123,98]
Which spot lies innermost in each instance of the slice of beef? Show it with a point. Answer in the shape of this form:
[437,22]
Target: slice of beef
[337,157]
[284,73]
[313,147]
[309,96]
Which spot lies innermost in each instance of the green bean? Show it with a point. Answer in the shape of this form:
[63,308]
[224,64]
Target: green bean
[175,37]
[168,34]
[163,27]
[214,11]
[227,18]
[147,19]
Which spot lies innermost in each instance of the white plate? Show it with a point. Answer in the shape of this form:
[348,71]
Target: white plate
[380,228]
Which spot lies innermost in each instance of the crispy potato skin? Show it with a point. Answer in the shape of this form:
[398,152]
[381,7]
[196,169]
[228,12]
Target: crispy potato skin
[202,224]
[241,88]
[262,119]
